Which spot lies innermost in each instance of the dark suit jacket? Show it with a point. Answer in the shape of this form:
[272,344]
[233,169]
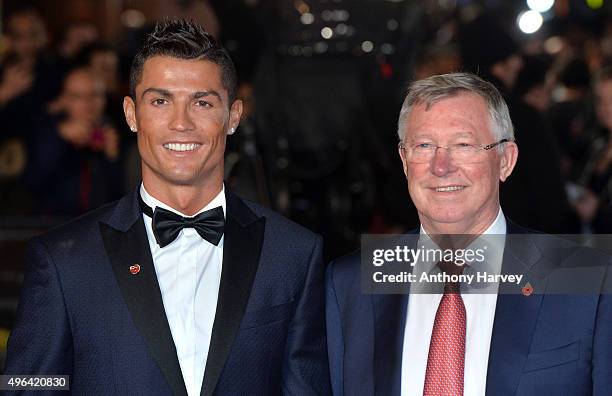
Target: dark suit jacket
[83,314]
[543,344]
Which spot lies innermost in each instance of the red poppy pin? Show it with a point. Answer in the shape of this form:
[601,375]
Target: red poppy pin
[134,269]
[527,289]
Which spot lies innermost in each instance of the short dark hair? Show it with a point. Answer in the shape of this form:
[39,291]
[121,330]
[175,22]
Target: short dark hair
[182,39]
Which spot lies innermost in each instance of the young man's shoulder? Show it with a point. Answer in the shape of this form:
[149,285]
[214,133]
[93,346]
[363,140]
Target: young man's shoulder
[78,229]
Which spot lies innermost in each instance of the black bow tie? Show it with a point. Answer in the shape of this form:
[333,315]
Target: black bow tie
[167,225]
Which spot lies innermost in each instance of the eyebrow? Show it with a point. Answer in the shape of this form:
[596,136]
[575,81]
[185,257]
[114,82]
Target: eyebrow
[167,94]
[159,91]
[203,94]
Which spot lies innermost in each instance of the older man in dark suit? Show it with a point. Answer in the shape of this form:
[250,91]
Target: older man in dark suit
[457,145]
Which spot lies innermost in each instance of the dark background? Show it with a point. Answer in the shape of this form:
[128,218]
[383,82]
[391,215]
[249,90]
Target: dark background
[323,82]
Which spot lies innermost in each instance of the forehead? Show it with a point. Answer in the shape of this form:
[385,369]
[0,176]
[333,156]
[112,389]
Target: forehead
[180,74]
[463,114]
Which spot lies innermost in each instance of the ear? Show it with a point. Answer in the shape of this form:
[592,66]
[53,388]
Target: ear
[129,109]
[402,152]
[234,117]
[508,160]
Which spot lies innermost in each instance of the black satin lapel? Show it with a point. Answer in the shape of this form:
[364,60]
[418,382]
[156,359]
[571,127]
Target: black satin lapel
[241,250]
[143,297]
[390,320]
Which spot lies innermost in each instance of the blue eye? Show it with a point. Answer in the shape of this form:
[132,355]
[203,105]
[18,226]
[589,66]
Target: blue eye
[423,146]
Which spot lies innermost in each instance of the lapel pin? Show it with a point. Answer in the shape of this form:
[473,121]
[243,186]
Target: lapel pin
[527,289]
[134,269]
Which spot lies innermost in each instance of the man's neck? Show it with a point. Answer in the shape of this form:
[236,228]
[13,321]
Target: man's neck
[185,199]
[475,228]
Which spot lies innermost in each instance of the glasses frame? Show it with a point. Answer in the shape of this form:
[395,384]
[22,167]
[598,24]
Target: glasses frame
[402,146]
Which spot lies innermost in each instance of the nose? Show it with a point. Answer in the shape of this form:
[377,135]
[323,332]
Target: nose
[181,121]
[441,163]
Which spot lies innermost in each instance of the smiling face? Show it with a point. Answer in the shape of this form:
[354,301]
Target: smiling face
[182,117]
[453,198]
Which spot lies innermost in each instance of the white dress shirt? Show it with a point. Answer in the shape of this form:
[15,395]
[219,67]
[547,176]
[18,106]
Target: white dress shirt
[189,272]
[480,311]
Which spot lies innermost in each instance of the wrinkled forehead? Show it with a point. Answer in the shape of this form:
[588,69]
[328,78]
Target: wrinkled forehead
[462,115]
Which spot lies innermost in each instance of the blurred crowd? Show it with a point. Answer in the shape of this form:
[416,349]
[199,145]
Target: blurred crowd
[318,137]
[62,141]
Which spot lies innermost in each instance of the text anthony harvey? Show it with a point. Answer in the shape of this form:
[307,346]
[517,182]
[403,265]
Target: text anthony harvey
[407,277]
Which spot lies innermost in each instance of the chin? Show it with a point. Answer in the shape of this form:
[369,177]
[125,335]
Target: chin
[180,179]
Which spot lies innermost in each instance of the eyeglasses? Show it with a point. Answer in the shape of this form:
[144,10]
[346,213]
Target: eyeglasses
[460,153]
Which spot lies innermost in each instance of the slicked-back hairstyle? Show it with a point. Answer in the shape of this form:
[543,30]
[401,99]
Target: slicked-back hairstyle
[433,89]
[178,38]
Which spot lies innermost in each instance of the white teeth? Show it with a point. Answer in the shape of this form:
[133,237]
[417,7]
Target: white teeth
[181,146]
[449,188]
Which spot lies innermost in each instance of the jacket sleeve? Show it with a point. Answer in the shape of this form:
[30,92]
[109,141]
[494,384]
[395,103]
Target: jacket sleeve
[41,341]
[305,367]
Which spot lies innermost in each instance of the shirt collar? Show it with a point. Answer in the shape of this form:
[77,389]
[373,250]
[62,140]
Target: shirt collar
[498,227]
[497,230]
[218,200]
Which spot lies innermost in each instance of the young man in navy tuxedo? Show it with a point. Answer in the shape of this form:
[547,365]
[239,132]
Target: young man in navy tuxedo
[457,145]
[180,287]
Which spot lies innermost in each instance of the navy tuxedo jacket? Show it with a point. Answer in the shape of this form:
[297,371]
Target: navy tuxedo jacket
[542,344]
[83,313]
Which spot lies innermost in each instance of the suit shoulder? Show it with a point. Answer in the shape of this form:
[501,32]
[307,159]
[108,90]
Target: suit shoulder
[345,270]
[79,227]
[514,228]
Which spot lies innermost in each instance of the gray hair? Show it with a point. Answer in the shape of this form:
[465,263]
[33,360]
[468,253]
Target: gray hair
[433,89]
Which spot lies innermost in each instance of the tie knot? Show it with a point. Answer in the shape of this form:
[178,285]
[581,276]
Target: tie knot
[451,268]
[167,225]
[189,221]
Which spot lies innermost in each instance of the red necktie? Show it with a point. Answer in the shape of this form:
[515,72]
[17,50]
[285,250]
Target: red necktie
[446,360]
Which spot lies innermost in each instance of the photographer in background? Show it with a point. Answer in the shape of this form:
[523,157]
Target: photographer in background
[74,154]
